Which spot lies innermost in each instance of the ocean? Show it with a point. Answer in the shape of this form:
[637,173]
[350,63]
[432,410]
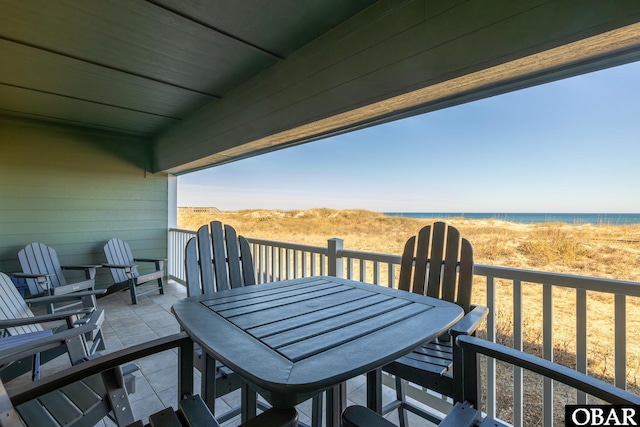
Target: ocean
[528,218]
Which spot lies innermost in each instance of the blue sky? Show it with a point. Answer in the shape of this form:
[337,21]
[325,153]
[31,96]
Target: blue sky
[567,146]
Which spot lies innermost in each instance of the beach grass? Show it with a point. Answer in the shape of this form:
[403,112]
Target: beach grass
[596,250]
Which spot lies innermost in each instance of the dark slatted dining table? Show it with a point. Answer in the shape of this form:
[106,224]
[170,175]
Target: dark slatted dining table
[293,339]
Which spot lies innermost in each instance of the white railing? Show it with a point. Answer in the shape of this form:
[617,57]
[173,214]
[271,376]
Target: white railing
[499,288]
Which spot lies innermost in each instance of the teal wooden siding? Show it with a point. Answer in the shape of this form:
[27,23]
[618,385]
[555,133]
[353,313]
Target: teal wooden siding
[74,190]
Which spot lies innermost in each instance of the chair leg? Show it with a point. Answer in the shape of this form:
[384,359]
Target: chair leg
[248,403]
[401,396]
[117,396]
[132,290]
[316,410]
[161,286]
[35,372]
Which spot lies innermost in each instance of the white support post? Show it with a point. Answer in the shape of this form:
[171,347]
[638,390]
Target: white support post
[334,254]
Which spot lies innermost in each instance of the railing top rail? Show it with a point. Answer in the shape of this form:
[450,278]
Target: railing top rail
[293,246]
[371,256]
[182,230]
[611,286]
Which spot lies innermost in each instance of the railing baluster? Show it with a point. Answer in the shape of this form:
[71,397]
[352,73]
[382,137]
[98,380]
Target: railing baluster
[376,272]
[267,264]
[517,344]
[304,263]
[350,268]
[620,352]
[547,352]
[391,275]
[581,340]
[491,336]
[363,271]
[296,254]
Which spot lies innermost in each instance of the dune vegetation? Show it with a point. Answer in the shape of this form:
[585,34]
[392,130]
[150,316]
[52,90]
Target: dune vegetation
[598,250]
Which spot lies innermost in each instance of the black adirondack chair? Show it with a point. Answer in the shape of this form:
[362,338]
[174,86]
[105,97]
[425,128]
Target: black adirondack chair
[467,388]
[125,271]
[84,394]
[218,259]
[44,274]
[215,260]
[437,263]
[19,325]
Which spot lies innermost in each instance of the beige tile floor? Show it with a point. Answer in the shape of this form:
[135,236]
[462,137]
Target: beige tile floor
[156,381]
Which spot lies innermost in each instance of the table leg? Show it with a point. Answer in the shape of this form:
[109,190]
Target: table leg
[208,381]
[336,402]
[248,403]
[374,390]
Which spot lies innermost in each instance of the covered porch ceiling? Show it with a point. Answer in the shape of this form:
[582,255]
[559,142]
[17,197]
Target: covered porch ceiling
[205,82]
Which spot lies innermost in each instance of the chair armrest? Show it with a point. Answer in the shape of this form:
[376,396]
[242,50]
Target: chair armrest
[121,266]
[471,346]
[43,344]
[80,266]
[32,275]
[89,269]
[60,315]
[63,297]
[97,365]
[470,322]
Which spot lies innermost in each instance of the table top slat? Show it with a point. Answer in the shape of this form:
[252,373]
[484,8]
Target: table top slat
[347,333]
[265,292]
[294,307]
[289,323]
[333,323]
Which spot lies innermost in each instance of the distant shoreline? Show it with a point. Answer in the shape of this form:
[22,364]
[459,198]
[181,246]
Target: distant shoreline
[531,218]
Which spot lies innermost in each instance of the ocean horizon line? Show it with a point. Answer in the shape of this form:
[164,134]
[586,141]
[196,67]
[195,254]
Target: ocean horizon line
[531,217]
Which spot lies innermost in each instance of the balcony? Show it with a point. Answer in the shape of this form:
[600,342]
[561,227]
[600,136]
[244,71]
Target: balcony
[524,313]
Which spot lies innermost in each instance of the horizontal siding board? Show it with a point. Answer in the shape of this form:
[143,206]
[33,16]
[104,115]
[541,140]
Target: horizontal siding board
[59,201]
[72,205]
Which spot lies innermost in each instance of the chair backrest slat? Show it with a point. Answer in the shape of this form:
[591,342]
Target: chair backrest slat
[192,268]
[465,276]
[248,272]
[438,262]
[219,256]
[421,260]
[406,265]
[205,255]
[233,253]
[436,256]
[449,281]
[13,306]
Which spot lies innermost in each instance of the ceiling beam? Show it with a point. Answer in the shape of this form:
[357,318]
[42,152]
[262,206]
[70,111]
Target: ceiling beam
[395,60]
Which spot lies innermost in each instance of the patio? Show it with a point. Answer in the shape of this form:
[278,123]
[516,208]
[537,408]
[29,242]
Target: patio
[95,127]
[156,381]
